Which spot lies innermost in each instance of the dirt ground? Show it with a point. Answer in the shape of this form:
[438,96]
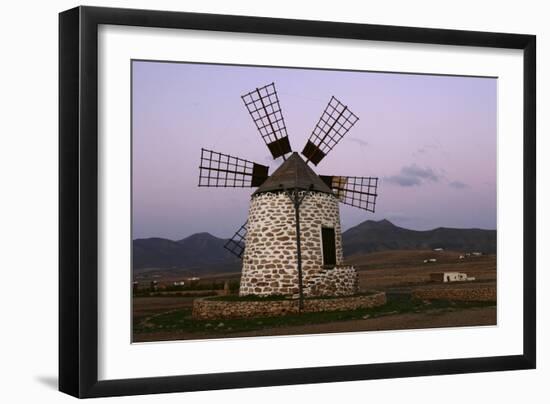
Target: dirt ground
[395,272]
[482,316]
[468,317]
[148,306]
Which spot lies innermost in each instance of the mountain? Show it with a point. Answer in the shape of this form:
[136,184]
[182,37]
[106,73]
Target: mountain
[203,253]
[197,252]
[382,235]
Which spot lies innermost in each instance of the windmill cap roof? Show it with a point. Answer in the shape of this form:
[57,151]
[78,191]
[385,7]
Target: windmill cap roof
[293,173]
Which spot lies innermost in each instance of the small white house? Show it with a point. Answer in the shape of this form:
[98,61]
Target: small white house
[179,283]
[461,257]
[438,249]
[430,260]
[451,277]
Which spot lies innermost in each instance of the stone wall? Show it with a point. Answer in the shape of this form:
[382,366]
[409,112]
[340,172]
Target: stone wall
[345,303]
[208,309]
[338,281]
[270,259]
[480,294]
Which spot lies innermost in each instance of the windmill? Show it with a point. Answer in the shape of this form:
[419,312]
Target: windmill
[291,243]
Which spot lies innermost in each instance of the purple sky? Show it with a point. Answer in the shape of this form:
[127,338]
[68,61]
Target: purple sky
[430,139]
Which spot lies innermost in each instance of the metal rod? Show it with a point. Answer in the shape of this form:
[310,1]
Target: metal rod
[225,171]
[297,203]
[294,196]
[356,192]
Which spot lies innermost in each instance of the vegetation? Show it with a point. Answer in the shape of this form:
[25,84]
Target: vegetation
[162,293]
[249,298]
[180,320]
[195,285]
[254,298]
[196,288]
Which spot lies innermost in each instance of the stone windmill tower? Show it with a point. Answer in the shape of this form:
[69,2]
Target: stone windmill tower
[291,243]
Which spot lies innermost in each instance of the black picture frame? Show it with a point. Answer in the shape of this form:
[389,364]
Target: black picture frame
[78,201]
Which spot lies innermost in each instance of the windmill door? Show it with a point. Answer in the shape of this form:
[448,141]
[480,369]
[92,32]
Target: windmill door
[329,246]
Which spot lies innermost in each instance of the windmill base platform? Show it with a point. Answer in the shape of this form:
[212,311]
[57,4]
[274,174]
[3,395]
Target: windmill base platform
[215,309]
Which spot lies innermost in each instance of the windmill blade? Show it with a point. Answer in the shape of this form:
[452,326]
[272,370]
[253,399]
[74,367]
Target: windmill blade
[333,124]
[235,245]
[263,106]
[222,170]
[354,191]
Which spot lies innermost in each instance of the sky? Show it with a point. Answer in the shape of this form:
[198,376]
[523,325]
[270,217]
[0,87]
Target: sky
[431,140]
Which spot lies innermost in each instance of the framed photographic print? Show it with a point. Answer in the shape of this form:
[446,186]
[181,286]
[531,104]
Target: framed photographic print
[250,201]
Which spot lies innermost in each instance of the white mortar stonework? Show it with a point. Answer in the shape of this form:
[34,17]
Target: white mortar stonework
[338,281]
[270,265]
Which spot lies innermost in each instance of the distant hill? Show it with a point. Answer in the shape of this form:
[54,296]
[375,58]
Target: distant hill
[204,253]
[199,252]
[371,236]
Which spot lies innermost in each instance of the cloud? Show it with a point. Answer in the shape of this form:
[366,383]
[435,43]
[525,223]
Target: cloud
[415,171]
[413,175]
[458,185]
[360,142]
[403,180]
[430,148]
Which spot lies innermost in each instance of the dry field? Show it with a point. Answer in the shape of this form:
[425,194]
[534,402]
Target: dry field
[147,306]
[396,272]
[397,269]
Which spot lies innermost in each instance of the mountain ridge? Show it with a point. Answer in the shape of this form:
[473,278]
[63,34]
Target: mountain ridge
[372,236]
[196,252]
[203,252]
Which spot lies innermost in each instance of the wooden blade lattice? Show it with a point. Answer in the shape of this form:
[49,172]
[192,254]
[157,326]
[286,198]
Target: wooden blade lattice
[222,170]
[235,245]
[333,124]
[265,110]
[354,191]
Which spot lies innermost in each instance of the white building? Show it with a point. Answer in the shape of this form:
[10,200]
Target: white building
[450,277]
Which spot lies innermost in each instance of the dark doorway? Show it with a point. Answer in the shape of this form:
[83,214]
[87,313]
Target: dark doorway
[329,246]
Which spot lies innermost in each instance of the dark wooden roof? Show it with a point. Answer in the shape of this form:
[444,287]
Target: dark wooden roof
[294,173]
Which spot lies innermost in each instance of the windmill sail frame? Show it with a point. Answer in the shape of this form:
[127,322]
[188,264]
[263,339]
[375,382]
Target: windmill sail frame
[359,192]
[264,108]
[335,121]
[235,245]
[226,171]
